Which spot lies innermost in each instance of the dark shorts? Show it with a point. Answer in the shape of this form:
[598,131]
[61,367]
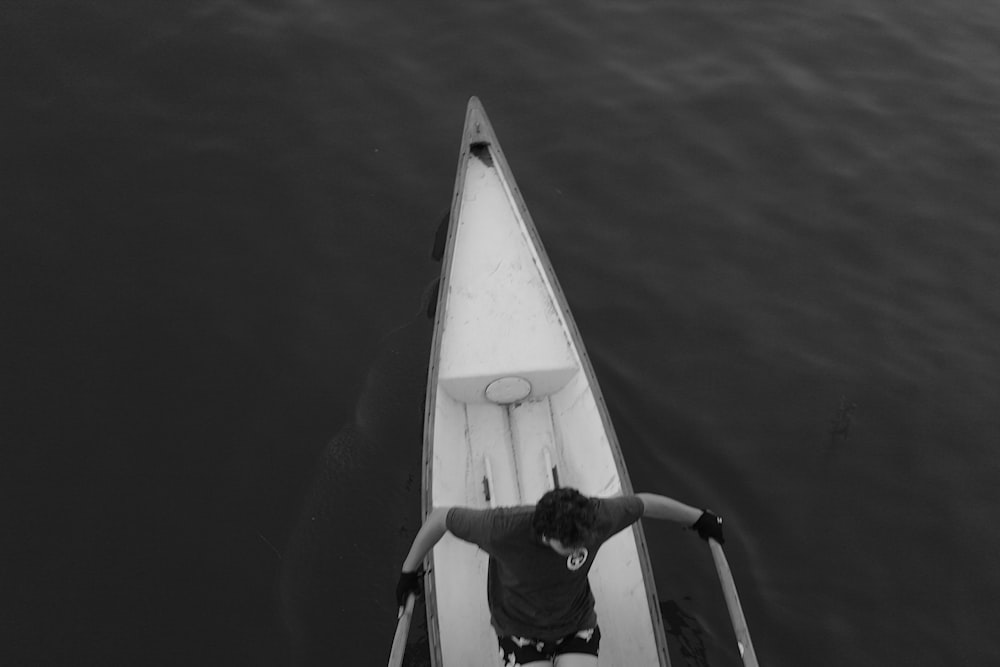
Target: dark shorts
[522,650]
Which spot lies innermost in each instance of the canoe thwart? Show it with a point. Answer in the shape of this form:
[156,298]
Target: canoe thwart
[466,386]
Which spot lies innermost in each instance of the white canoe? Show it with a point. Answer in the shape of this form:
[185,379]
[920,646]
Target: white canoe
[513,407]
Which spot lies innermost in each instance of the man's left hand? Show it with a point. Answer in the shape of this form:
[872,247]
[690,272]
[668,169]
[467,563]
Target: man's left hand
[709,525]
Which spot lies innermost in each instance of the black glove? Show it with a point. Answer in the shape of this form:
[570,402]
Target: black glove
[709,525]
[409,582]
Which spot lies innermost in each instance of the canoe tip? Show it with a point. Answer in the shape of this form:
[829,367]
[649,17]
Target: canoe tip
[477,125]
[475,107]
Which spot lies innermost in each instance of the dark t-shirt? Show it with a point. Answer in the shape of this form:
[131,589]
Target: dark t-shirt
[532,590]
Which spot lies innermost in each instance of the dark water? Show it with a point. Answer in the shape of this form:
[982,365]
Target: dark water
[773,220]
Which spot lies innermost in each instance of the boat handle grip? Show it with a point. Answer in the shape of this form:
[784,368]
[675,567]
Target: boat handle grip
[402,631]
[733,603]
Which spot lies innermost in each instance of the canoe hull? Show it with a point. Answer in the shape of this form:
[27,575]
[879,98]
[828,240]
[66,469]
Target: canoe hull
[513,407]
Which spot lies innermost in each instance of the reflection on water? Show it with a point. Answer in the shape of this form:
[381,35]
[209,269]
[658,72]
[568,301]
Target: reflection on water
[362,510]
[360,513]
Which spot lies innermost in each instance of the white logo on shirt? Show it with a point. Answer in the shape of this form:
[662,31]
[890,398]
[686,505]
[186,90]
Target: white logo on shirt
[576,559]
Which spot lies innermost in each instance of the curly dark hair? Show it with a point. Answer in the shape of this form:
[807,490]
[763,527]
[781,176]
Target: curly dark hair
[565,514]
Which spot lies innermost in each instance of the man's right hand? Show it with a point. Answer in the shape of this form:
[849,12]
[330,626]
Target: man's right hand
[409,582]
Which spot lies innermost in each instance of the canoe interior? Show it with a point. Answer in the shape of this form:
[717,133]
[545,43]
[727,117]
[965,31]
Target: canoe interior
[501,315]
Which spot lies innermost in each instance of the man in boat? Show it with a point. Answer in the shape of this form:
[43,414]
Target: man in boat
[541,605]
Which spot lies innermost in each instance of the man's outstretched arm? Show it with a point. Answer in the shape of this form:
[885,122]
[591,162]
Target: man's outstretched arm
[705,522]
[429,534]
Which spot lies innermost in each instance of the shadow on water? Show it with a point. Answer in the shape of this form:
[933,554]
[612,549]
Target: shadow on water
[361,511]
[686,633]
